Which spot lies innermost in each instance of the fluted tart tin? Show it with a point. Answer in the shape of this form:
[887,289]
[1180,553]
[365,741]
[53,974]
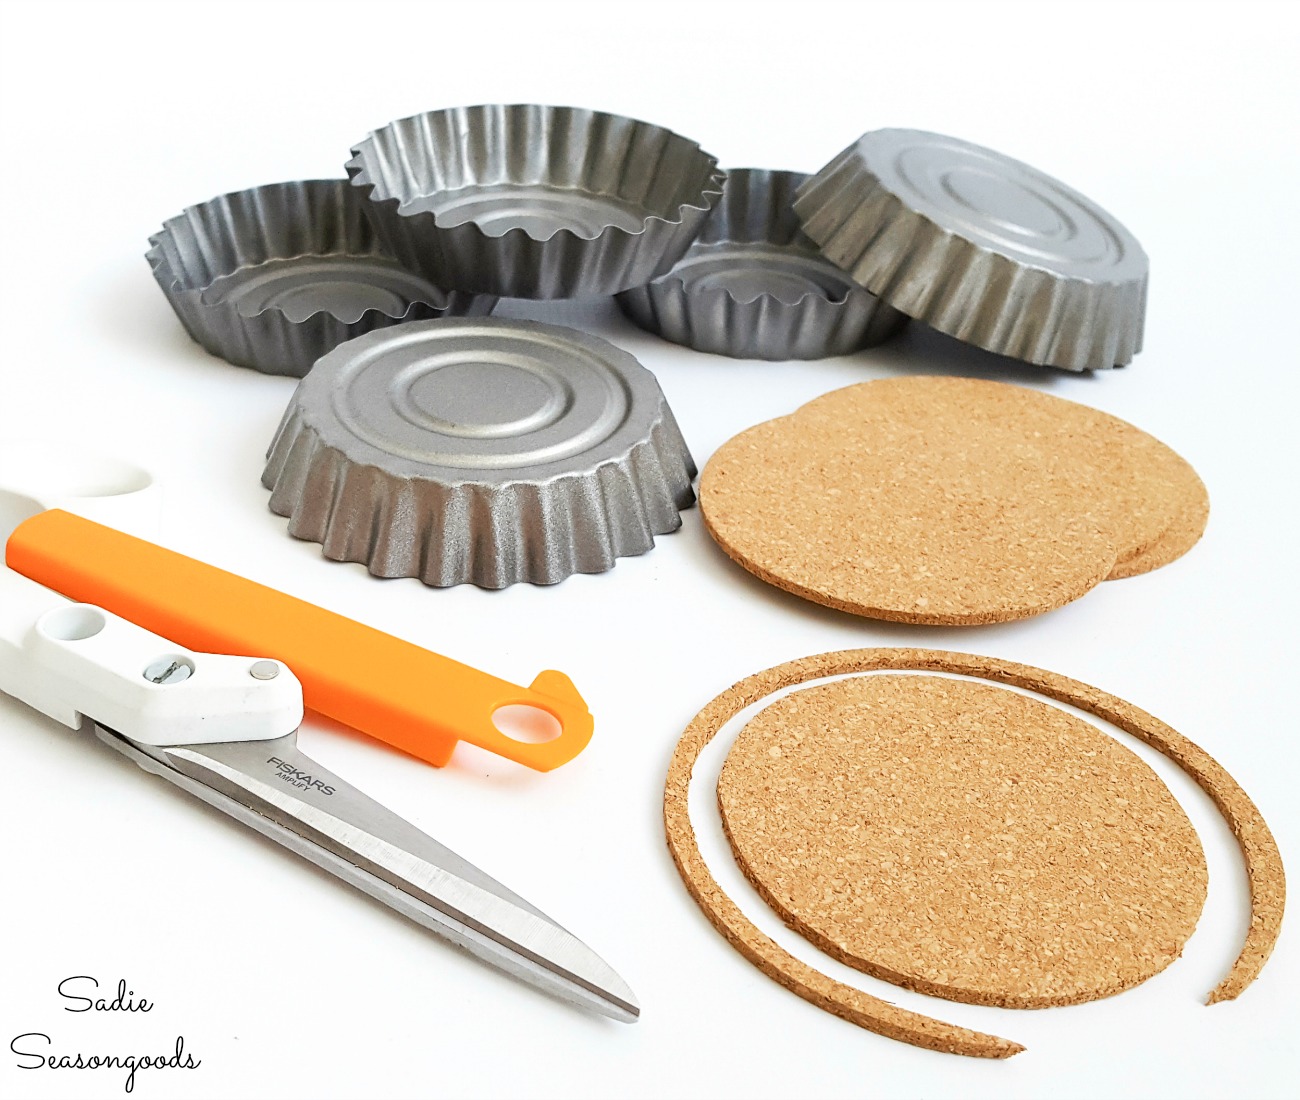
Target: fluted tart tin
[532,201]
[274,277]
[484,451]
[982,247]
[753,286]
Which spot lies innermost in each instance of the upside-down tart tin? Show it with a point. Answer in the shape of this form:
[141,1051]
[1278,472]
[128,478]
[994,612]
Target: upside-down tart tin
[982,247]
[531,201]
[484,451]
[753,286]
[275,276]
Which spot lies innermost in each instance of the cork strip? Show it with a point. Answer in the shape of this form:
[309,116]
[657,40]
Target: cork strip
[1263,860]
[943,500]
[962,840]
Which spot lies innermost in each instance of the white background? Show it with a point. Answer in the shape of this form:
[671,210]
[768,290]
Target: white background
[1182,120]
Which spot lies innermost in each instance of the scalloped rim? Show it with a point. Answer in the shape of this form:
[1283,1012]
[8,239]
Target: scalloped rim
[652,454]
[173,286]
[717,293]
[829,314]
[358,176]
[711,299]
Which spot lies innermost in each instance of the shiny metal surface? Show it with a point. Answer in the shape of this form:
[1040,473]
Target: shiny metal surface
[753,286]
[480,451]
[982,247]
[274,277]
[273,788]
[530,201]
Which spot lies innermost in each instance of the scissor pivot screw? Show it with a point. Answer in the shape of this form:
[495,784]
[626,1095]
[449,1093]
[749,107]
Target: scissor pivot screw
[169,670]
[264,670]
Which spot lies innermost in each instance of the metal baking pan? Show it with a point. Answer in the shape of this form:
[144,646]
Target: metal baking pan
[485,451]
[982,247]
[753,286]
[274,277]
[530,201]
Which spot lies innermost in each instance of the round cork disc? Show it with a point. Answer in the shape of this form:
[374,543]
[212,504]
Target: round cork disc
[1190,519]
[963,840]
[943,500]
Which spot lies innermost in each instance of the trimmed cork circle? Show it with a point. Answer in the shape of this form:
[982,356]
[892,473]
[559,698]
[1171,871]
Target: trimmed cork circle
[1263,861]
[1189,522]
[948,501]
[962,840]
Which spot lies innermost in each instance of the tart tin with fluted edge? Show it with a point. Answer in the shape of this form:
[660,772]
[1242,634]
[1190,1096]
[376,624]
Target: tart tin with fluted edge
[753,286]
[274,277]
[982,247]
[530,201]
[484,451]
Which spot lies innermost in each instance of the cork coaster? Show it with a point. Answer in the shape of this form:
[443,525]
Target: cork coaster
[1182,534]
[943,500]
[962,840]
[1263,861]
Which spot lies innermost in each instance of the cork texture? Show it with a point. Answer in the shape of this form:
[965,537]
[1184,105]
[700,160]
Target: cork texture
[962,840]
[1263,861]
[945,501]
[1190,519]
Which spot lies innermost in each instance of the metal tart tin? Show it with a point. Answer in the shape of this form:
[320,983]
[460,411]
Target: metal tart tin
[534,202]
[753,286]
[982,247]
[479,451]
[276,276]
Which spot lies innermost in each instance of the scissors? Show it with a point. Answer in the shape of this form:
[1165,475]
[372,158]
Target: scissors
[224,728]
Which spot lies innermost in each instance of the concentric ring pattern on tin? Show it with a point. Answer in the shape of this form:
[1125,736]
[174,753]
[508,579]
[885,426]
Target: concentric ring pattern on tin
[480,451]
[982,247]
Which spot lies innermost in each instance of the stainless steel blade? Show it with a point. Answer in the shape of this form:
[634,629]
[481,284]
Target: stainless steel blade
[283,794]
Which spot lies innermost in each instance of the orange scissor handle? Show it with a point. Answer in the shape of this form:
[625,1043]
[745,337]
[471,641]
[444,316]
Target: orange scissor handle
[410,698]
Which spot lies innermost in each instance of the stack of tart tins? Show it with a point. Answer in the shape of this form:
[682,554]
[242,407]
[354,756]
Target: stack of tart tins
[428,441]
[445,211]
[457,450]
[905,224]
[441,214]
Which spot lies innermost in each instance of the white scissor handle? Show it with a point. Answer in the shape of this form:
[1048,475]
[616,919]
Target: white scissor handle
[74,661]
[38,474]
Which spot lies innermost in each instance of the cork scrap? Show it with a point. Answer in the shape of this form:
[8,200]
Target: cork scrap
[1263,860]
[946,500]
[962,840]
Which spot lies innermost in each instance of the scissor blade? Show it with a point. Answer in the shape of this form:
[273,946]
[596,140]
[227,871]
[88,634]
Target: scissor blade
[308,809]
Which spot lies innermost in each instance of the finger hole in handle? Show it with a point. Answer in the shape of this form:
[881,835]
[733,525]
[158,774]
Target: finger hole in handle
[49,470]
